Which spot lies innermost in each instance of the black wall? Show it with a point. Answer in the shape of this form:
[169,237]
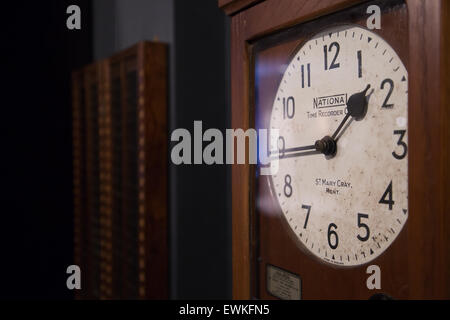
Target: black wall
[38,54]
[200,194]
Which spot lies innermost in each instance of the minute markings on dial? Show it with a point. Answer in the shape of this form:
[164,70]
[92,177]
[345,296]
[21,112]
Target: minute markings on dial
[375,62]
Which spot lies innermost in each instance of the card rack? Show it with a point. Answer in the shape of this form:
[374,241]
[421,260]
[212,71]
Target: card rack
[120,175]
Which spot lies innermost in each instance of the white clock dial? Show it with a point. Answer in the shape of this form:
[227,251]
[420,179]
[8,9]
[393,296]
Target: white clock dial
[345,208]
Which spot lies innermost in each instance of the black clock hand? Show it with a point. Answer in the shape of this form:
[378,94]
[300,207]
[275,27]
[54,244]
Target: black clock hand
[305,148]
[340,125]
[357,109]
[295,152]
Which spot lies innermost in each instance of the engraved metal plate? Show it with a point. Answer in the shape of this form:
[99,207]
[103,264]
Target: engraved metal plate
[283,284]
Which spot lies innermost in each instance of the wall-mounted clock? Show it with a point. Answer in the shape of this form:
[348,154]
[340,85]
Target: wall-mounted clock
[363,149]
[341,109]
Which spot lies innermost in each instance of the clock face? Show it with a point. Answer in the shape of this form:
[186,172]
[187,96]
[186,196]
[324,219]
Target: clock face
[346,196]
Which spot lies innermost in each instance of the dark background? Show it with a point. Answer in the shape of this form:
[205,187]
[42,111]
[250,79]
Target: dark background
[38,55]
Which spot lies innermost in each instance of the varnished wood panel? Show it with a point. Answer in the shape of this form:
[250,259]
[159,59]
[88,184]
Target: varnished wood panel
[91,215]
[106,195]
[153,61]
[428,225]
[120,180]
[271,16]
[232,7]
[274,233]
[240,174]
[142,71]
[445,99]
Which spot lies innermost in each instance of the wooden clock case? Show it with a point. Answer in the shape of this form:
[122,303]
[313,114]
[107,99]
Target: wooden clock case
[417,264]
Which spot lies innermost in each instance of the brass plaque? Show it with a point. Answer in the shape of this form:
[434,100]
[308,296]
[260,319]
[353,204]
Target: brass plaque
[283,284]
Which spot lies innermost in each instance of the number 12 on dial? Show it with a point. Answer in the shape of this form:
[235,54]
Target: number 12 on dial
[342,180]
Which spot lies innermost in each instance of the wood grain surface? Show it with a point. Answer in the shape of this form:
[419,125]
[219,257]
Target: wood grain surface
[120,174]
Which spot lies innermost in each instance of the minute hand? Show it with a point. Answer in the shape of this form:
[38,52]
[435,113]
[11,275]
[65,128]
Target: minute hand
[340,126]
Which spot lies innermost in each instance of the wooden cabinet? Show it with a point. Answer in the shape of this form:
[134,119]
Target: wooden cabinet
[120,174]
[265,36]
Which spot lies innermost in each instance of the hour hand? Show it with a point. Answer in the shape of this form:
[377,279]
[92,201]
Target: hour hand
[356,108]
[357,104]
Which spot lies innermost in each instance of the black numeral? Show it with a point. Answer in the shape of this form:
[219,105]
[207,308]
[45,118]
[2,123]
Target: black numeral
[388,194]
[333,233]
[308,75]
[287,186]
[359,64]
[288,107]
[386,103]
[363,225]
[304,206]
[401,143]
[327,49]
